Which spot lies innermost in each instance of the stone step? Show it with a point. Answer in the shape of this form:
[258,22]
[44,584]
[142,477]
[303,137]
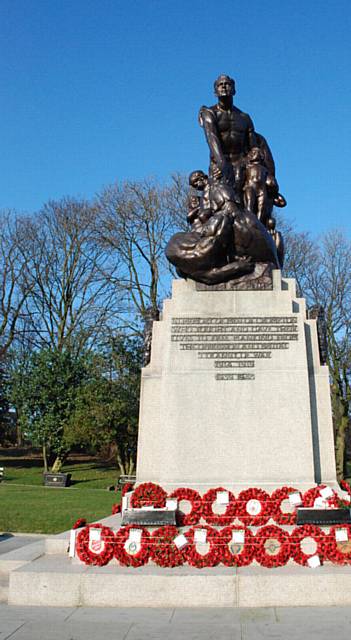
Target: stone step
[56,581]
[19,557]
[4,587]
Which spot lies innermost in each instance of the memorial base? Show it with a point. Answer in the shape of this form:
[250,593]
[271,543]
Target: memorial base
[57,581]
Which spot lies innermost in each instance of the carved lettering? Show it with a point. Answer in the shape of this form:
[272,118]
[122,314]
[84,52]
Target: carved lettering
[234,343]
[242,320]
[235,376]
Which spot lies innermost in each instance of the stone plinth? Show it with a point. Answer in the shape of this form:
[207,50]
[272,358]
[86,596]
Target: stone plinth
[57,581]
[234,394]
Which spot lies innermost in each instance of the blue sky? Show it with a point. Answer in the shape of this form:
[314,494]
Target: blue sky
[95,91]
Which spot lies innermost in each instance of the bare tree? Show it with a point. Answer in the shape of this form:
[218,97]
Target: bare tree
[72,299]
[322,271]
[16,282]
[135,220]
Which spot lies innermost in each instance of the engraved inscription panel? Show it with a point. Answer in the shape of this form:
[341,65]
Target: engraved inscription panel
[234,343]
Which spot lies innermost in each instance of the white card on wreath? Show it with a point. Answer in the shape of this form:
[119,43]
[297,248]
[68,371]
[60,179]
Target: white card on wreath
[238,536]
[253,507]
[94,535]
[180,541]
[222,497]
[200,536]
[72,543]
[171,504]
[326,493]
[320,503]
[341,535]
[314,562]
[295,498]
[124,503]
[135,535]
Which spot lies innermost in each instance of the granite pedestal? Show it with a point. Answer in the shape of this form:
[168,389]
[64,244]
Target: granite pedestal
[235,394]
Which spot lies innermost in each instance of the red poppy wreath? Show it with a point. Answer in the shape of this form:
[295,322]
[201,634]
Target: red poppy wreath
[339,544]
[148,494]
[308,531]
[93,547]
[126,488]
[272,546]
[238,546]
[214,553]
[163,551]
[218,519]
[253,507]
[132,546]
[192,496]
[310,496]
[277,498]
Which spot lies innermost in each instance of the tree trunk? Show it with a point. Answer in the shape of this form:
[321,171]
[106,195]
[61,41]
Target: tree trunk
[19,438]
[57,465]
[126,467]
[45,458]
[120,463]
[131,467]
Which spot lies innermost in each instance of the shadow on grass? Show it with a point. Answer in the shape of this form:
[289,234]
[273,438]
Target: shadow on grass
[72,464]
[5,536]
[74,482]
[23,463]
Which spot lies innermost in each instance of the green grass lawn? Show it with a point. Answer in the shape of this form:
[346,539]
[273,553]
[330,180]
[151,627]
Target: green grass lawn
[27,506]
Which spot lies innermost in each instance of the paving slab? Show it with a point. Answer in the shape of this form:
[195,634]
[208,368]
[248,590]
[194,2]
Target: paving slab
[313,615]
[65,623]
[44,614]
[39,630]
[8,628]
[137,615]
[191,631]
[315,631]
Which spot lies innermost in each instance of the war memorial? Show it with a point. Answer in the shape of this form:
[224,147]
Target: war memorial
[236,501]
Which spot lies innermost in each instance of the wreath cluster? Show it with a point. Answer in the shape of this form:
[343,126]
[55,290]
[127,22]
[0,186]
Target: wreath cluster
[253,507]
[271,546]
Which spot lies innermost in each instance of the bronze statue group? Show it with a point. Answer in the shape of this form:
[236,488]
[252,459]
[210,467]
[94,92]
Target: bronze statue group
[233,233]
